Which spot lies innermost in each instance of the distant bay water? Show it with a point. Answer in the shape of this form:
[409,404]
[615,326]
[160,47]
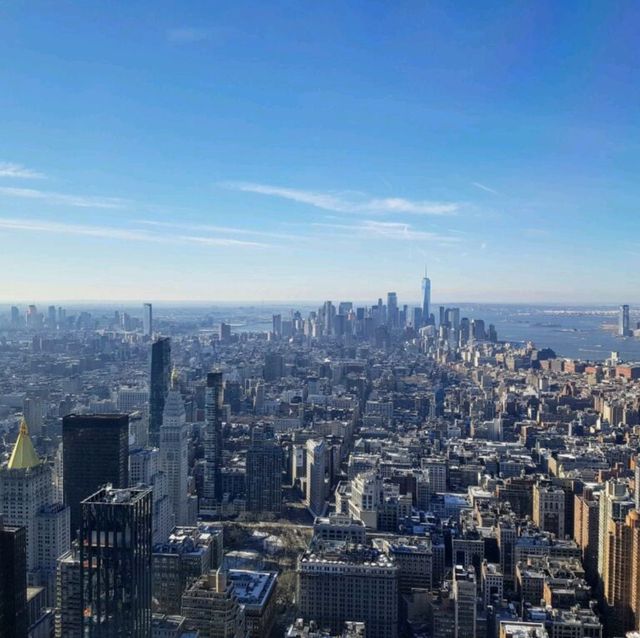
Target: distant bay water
[575,332]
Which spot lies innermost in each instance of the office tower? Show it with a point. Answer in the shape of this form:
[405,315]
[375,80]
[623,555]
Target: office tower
[214,396]
[13,583]
[264,474]
[144,471]
[492,583]
[158,386]
[15,316]
[464,596]
[174,453]
[392,309]
[147,320]
[115,562]
[414,558]
[328,311]
[613,505]
[26,494]
[623,321]
[622,575]
[585,532]
[436,469]
[233,395]
[426,298]
[317,485]
[548,508]
[417,320]
[336,584]
[452,317]
[68,621]
[477,330]
[53,534]
[225,332]
[273,366]
[277,325]
[366,498]
[188,554]
[51,318]
[210,606]
[507,535]
[95,452]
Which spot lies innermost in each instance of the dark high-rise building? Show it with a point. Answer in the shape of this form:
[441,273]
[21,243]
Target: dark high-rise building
[13,581]
[233,395]
[214,397]
[277,325]
[623,321]
[392,309]
[158,386]
[115,563]
[273,366]
[95,452]
[264,473]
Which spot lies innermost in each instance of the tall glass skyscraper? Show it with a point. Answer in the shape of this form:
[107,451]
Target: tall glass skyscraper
[95,452]
[115,563]
[214,399]
[623,321]
[426,298]
[158,386]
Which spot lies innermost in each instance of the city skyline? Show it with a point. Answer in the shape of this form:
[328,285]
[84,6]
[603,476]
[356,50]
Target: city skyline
[325,155]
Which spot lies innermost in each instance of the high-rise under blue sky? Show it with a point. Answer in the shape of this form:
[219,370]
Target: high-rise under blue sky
[298,150]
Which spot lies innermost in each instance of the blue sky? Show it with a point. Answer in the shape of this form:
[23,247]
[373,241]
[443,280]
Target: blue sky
[298,150]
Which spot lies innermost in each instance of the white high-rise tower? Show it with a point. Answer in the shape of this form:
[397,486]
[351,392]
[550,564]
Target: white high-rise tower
[174,452]
[426,297]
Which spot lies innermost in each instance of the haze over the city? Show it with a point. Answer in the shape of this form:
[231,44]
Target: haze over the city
[279,151]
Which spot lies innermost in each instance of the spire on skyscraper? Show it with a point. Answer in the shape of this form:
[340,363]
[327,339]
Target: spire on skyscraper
[24,455]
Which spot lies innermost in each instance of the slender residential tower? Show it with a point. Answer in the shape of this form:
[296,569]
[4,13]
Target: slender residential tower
[214,399]
[158,386]
[426,297]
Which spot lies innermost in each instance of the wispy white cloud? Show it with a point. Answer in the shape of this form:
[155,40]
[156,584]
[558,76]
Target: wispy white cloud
[227,230]
[343,203]
[10,169]
[187,35]
[482,187]
[120,234]
[390,231]
[77,201]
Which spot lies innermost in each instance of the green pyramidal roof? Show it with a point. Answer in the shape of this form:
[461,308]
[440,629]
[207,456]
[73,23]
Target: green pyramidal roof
[24,455]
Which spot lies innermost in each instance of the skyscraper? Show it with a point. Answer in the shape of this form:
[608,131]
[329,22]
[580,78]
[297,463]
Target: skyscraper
[264,474]
[337,583]
[147,319]
[214,397]
[392,309]
[13,584]
[464,595]
[623,321]
[158,386]
[69,595]
[174,459]
[317,487]
[26,500]
[426,297]
[95,452]
[115,563]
